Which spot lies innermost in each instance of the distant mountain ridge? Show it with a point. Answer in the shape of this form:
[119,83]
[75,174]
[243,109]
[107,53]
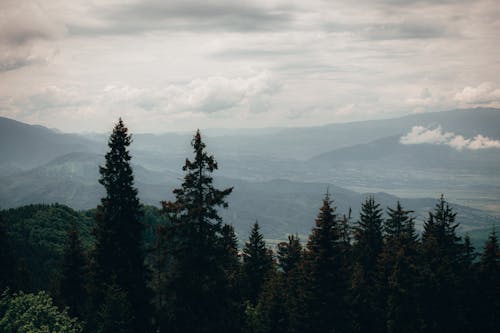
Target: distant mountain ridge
[300,143]
[280,175]
[390,152]
[279,205]
[26,146]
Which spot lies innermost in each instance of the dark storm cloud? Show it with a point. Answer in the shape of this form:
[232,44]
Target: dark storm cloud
[186,16]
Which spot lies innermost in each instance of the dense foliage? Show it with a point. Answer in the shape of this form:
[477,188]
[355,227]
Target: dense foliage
[125,267]
[34,313]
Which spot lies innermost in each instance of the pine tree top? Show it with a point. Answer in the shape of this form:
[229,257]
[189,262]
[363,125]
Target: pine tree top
[400,223]
[197,199]
[441,225]
[325,233]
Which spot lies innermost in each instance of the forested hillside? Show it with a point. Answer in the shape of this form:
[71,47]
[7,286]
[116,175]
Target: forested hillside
[127,267]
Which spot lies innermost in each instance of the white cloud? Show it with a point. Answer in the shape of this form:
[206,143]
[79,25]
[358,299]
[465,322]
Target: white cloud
[220,93]
[421,135]
[153,60]
[199,98]
[485,93]
[204,95]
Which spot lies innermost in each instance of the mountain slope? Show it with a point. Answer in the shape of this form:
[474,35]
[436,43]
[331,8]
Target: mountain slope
[280,206]
[389,152]
[306,142]
[26,146]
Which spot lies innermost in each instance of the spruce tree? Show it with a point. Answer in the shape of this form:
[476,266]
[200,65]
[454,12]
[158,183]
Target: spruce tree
[291,262]
[398,267]
[271,312]
[118,256]
[487,319]
[196,276]
[232,269]
[7,261]
[257,263]
[468,290]
[345,235]
[367,301]
[115,314]
[441,265]
[229,243]
[289,253]
[326,279]
[73,274]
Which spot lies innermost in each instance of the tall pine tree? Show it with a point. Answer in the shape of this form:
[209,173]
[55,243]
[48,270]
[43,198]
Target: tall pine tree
[257,263]
[73,274]
[487,319]
[118,256]
[232,268]
[398,267]
[441,265]
[366,298]
[289,253]
[7,261]
[196,277]
[326,275]
[291,262]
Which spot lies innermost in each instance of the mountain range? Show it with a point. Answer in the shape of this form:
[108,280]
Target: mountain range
[279,175]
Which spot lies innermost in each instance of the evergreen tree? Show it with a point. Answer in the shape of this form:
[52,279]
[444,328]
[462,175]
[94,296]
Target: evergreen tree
[291,262]
[257,263]
[271,312]
[229,243]
[441,265]
[232,269]
[345,235]
[289,253]
[468,290]
[487,319]
[73,273]
[400,226]
[115,313]
[118,257]
[7,261]
[367,301]
[196,277]
[469,253]
[326,279]
[159,281]
[440,228]
[398,265]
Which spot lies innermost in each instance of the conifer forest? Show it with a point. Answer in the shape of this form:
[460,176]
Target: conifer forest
[127,267]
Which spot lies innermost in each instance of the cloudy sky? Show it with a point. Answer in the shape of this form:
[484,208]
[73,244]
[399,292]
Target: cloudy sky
[178,65]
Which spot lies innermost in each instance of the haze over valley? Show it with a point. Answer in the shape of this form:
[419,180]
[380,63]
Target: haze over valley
[280,174]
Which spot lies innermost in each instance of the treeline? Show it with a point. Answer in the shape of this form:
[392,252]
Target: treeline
[128,268]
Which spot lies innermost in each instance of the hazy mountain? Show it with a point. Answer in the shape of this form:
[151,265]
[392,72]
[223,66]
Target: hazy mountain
[390,153]
[42,165]
[306,142]
[302,143]
[280,206]
[25,146]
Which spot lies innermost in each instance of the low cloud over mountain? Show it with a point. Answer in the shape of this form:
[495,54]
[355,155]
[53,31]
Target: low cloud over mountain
[421,134]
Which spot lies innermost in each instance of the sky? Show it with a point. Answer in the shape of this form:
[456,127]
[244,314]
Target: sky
[179,65]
